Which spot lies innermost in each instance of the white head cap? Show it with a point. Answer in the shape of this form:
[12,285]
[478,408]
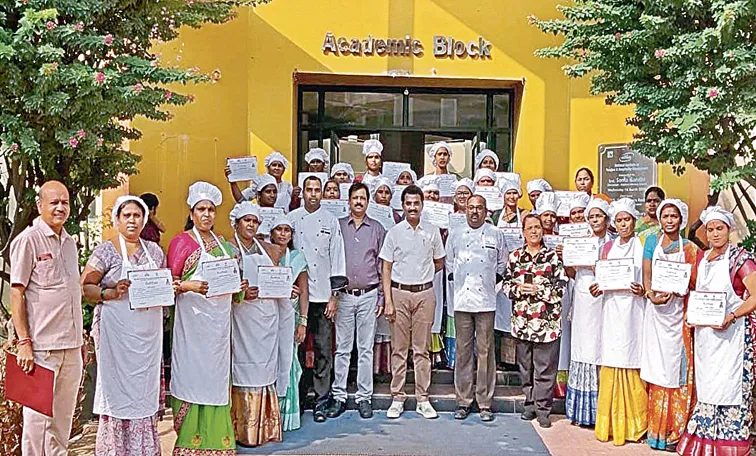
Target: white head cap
[580,200]
[597,203]
[539,185]
[510,182]
[125,199]
[680,205]
[435,148]
[623,205]
[546,202]
[242,210]
[484,172]
[717,213]
[378,183]
[263,180]
[486,153]
[372,146]
[428,183]
[281,220]
[412,174]
[202,191]
[346,167]
[276,157]
[464,182]
[317,154]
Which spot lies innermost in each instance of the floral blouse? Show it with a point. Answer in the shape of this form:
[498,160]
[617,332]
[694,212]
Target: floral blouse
[536,317]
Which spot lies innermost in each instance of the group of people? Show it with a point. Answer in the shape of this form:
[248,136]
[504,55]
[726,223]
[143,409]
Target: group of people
[632,365]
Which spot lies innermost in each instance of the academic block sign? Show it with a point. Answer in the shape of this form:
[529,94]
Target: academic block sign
[625,173]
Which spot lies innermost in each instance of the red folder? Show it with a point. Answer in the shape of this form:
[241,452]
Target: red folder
[33,390]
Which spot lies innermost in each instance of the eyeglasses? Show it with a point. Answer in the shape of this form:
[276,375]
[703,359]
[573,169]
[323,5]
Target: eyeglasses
[653,200]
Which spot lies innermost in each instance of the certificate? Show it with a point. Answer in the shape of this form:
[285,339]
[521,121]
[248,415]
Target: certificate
[706,308]
[502,176]
[457,221]
[274,281]
[565,198]
[446,184]
[513,237]
[392,170]
[382,214]
[552,240]
[222,277]
[269,216]
[339,208]
[344,191]
[614,275]
[575,230]
[302,176]
[437,213]
[580,251]
[670,277]
[493,196]
[396,196]
[150,288]
[242,168]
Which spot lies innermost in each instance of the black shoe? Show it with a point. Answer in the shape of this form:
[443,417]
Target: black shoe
[461,413]
[319,414]
[366,409]
[671,447]
[528,415]
[486,415]
[335,408]
[544,422]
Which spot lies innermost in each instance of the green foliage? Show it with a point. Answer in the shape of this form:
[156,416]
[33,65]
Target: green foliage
[749,242]
[687,66]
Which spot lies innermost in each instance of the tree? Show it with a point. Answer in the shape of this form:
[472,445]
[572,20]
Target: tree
[73,75]
[688,67]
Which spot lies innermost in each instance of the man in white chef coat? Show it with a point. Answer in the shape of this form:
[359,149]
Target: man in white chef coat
[476,256]
[317,234]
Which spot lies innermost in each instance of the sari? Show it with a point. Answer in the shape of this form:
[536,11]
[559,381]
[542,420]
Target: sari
[202,430]
[645,227]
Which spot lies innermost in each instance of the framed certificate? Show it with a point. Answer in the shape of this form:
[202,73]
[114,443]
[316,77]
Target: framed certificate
[339,208]
[242,168]
[706,308]
[437,213]
[382,214]
[396,197]
[274,281]
[222,277]
[302,176]
[269,215]
[615,275]
[150,288]
[513,237]
[580,251]
[392,170]
[552,241]
[565,197]
[493,196]
[446,184]
[575,230]
[670,277]
[457,221]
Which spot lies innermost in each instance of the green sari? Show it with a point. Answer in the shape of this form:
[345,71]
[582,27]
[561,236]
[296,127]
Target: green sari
[645,227]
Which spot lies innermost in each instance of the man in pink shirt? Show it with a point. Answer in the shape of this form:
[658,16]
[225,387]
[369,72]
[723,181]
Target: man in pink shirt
[46,308]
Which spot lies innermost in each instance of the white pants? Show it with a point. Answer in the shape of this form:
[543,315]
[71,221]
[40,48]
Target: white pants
[355,312]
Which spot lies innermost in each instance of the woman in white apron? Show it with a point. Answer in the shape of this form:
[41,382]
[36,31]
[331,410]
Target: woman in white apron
[372,149]
[667,349]
[581,401]
[724,356]
[622,396]
[276,165]
[262,339]
[201,361]
[487,158]
[128,343]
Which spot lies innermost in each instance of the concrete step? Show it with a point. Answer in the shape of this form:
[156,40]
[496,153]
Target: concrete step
[442,377]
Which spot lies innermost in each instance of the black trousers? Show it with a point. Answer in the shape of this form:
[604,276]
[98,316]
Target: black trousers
[538,364]
[322,337]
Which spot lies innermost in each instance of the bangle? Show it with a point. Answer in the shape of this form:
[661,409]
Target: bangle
[24,341]
[102,294]
[302,321]
[734,317]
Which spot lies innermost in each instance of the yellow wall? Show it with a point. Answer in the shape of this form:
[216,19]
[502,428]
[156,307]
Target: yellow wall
[250,110]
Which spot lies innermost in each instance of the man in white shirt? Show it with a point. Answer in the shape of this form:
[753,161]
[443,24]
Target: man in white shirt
[477,257]
[317,234]
[412,252]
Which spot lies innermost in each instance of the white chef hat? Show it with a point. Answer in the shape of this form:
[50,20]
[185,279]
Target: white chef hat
[317,154]
[378,183]
[623,205]
[435,148]
[258,183]
[464,182]
[580,200]
[546,202]
[201,191]
[428,183]
[346,167]
[372,146]
[717,213]
[412,174]
[680,205]
[510,182]
[125,199]
[597,203]
[483,172]
[486,153]
[281,220]
[276,156]
[242,210]
[539,185]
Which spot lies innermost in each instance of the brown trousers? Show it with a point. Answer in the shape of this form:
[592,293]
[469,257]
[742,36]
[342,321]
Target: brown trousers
[479,327]
[413,322]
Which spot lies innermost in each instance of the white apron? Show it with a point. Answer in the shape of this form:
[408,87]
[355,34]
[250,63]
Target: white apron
[719,354]
[661,355]
[565,341]
[623,314]
[587,317]
[201,361]
[438,290]
[128,355]
[283,201]
[503,320]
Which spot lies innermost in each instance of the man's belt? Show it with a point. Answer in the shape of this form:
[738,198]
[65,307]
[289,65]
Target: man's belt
[412,288]
[360,292]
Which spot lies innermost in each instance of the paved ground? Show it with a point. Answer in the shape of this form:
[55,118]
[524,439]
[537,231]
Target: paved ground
[565,439]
